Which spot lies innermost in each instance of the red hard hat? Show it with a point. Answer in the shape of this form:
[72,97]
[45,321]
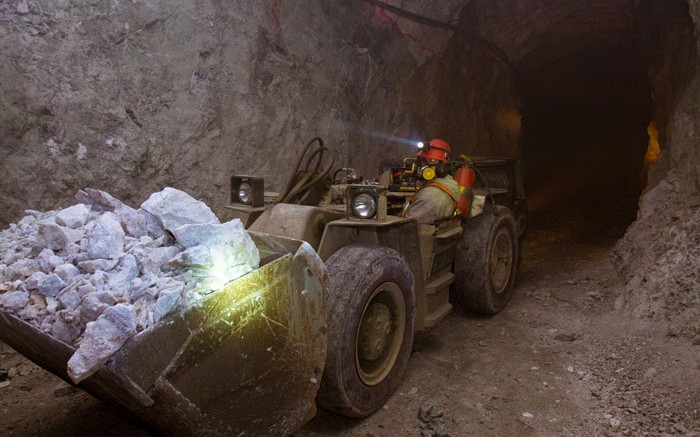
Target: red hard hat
[438,150]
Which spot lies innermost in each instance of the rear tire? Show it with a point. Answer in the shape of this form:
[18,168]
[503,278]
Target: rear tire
[486,261]
[370,329]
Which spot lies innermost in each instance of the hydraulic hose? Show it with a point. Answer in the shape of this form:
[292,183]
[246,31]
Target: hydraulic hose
[294,175]
[300,182]
[318,178]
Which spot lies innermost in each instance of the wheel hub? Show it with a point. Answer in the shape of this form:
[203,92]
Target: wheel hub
[375,332]
[379,334]
[501,260]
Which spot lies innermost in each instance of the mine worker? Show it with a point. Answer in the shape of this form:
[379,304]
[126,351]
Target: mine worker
[437,198]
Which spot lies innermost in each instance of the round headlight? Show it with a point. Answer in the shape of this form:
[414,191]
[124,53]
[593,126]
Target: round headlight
[364,205]
[245,192]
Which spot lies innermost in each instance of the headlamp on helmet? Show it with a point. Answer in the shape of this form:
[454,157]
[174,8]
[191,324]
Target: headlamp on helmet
[437,150]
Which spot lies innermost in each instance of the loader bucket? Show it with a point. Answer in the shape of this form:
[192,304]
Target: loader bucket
[246,360]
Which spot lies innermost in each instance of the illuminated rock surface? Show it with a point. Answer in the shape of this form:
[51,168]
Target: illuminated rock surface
[94,274]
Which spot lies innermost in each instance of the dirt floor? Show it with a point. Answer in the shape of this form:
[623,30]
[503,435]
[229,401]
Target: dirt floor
[559,360]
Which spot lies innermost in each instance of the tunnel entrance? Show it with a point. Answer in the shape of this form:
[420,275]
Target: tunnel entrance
[585,112]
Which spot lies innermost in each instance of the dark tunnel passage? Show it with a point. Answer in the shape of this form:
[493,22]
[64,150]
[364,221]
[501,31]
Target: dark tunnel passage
[572,89]
[585,113]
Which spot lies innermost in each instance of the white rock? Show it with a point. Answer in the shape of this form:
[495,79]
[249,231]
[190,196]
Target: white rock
[67,271]
[73,217]
[50,285]
[14,300]
[93,304]
[233,253]
[24,267]
[152,224]
[64,328]
[153,260]
[167,301]
[70,299]
[194,234]
[99,279]
[101,340]
[94,265]
[52,236]
[134,222]
[144,313]
[197,257]
[106,239]
[44,260]
[174,208]
[85,289]
[127,270]
[51,304]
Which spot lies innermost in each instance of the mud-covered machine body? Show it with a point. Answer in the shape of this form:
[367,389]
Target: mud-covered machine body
[389,275]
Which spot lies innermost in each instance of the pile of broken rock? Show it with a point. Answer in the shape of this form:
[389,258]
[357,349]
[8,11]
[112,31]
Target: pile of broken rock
[94,274]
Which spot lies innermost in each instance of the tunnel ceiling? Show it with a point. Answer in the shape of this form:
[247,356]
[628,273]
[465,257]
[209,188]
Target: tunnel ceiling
[588,56]
[560,27]
[636,40]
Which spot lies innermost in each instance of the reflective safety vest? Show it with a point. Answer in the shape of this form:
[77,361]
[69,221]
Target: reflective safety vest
[443,188]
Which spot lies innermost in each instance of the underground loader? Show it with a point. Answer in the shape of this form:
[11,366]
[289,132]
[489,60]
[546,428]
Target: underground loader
[329,316]
[388,275]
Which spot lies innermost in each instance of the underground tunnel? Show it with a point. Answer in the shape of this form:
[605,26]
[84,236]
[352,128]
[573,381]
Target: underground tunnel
[596,100]
[585,116]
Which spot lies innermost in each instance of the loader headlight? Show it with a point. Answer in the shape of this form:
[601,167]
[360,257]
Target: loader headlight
[366,201]
[248,191]
[245,192]
[364,205]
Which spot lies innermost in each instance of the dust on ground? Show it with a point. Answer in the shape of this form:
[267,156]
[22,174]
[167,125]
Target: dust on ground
[557,361]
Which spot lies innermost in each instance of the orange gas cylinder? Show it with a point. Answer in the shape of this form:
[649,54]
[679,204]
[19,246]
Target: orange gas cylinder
[465,180]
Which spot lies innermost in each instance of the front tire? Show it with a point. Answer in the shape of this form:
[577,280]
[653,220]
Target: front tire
[486,261]
[370,329]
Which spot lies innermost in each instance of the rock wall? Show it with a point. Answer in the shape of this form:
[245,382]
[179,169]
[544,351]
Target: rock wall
[660,253]
[466,95]
[130,97]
